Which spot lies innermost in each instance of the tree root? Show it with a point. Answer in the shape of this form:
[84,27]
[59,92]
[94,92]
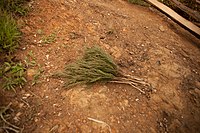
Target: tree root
[9,127]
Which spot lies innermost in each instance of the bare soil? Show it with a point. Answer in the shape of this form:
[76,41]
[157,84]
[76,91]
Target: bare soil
[142,41]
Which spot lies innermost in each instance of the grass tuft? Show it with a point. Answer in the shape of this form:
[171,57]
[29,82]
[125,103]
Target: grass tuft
[9,33]
[14,6]
[13,75]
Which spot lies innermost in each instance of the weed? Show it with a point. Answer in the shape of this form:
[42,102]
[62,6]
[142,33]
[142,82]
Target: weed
[37,76]
[9,33]
[15,6]
[49,39]
[30,60]
[29,63]
[12,75]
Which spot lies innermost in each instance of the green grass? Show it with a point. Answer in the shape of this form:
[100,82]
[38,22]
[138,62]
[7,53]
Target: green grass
[13,75]
[14,6]
[49,39]
[9,33]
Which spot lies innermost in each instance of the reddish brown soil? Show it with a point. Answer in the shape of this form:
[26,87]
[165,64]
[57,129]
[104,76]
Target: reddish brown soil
[142,41]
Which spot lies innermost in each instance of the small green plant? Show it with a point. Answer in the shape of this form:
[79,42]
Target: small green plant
[9,33]
[139,2]
[49,39]
[94,66]
[12,75]
[30,60]
[14,6]
[37,76]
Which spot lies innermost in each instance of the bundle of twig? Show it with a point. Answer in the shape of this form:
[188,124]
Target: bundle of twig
[96,65]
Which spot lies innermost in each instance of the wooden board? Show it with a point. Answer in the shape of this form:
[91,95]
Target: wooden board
[184,22]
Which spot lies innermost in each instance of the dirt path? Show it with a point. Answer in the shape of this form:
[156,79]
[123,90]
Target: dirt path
[142,42]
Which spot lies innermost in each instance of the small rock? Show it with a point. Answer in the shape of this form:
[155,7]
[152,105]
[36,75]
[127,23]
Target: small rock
[47,56]
[197,91]
[39,31]
[59,114]
[26,96]
[158,63]
[126,102]
[161,28]
[36,120]
[116,52]
[31,73]
[55,105]
[63,94]
[197,83]
[16,118]
[131,53]
[21,105]
[61,81]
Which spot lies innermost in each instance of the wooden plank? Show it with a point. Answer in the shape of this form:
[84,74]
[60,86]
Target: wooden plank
[186,9]
[187,24]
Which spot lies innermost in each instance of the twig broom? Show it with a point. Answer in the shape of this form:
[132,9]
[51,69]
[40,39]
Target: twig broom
[96,65]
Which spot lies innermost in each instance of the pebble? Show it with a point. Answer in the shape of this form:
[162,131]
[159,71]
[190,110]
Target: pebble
[136,99]
[59,114]
[21,105]
[31,73]
[161,28]
[197,83]
[36,120]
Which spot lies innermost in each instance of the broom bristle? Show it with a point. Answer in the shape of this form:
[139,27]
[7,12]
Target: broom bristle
[95,66]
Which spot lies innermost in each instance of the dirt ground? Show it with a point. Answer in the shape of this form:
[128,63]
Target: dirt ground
[142,41]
